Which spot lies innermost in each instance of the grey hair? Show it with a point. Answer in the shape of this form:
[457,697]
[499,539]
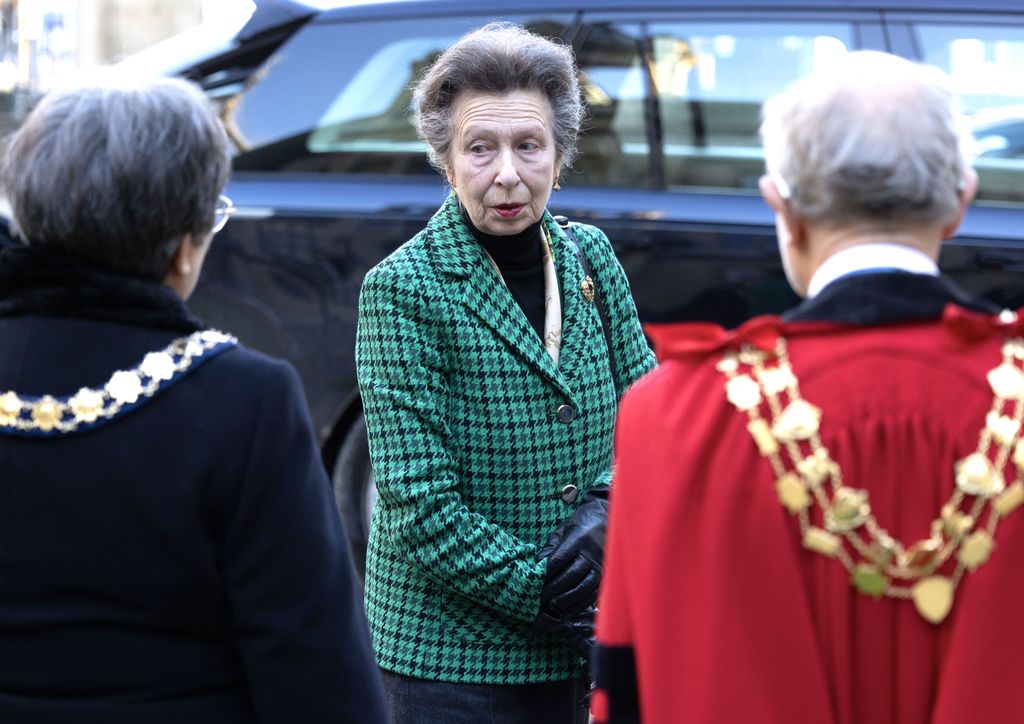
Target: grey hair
[117,171]
[875,137]
[499,58]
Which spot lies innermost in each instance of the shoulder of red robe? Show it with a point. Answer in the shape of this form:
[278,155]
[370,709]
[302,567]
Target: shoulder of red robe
[970,326]
[692,341]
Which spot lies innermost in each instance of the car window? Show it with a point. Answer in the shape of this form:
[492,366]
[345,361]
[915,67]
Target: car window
[704,83]
[986,64]
[613,147]
[347,91]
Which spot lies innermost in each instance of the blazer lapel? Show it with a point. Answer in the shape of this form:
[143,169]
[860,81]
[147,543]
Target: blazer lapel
[457,254]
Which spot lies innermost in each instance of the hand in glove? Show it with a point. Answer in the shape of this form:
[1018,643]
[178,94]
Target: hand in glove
[577,629]
[574,553]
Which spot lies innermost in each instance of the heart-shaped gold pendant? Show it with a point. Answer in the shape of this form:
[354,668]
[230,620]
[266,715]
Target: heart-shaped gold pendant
[933,597]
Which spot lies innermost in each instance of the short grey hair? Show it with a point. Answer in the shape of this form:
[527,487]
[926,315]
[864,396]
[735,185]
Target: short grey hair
[874,137]
[117,171]
[499,58]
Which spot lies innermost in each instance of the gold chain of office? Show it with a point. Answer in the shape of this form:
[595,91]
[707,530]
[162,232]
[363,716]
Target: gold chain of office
[51,415]
[845,529]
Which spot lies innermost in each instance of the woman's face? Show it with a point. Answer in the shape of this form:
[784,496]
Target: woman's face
[502,163]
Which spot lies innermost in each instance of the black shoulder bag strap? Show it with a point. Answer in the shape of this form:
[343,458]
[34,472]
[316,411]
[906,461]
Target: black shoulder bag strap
[598,299]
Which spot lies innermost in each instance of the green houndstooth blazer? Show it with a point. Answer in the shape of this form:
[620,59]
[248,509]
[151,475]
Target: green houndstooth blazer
[470,458]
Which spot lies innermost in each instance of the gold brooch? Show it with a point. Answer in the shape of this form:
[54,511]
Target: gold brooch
[836,520]
[587,288]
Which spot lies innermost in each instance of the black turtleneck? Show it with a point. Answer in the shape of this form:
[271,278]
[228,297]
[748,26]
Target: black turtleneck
[518,256]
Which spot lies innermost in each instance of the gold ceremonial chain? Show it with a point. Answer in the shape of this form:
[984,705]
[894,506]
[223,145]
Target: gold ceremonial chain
[844,528]
[65,414]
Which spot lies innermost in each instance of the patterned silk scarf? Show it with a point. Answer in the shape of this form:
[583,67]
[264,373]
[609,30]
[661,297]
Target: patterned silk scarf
[552,299]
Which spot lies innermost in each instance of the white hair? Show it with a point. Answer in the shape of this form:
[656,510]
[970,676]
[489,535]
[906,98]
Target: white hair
[874,136]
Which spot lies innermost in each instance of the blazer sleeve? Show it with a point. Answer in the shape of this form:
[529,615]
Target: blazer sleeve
[633,355]
[295,601]
[405,394]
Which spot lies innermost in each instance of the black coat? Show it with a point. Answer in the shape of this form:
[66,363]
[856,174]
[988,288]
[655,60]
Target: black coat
[183,563]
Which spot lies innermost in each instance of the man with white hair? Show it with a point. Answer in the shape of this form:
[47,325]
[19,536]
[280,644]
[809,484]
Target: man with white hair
[827,499]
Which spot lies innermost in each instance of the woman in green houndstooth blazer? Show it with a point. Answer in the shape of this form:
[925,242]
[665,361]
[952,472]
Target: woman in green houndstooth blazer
[490,395]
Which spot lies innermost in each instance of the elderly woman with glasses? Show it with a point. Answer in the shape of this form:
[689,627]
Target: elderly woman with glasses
[490,379]
[169,547]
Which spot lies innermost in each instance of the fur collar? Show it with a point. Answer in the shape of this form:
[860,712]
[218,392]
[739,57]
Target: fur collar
[48,282]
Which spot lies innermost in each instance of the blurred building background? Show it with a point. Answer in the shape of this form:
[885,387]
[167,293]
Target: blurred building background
[42,41]
[45,41]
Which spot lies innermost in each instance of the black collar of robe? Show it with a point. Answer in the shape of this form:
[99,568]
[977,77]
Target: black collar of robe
[875,298]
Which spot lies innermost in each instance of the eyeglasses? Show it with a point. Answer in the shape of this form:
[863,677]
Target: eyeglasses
[225,208]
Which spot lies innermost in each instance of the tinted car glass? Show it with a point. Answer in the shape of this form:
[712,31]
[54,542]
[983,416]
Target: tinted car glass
[711,79]
[614,148]
[986,64]
[705,83]
[358,118]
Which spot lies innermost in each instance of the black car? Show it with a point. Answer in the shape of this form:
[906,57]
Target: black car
[329,176]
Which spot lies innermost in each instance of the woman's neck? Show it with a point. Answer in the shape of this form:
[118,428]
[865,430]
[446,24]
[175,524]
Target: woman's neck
[513,251]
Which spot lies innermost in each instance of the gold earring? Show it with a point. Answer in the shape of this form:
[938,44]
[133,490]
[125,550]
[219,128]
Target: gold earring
[558,186]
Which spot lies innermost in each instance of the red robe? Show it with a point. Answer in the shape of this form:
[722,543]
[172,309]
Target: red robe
[708,590]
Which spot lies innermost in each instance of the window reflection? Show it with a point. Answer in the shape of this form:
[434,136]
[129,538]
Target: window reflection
[707,82]
[986,65]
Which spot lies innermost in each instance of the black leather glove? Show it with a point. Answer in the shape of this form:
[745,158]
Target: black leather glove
[577,629]
[574,553]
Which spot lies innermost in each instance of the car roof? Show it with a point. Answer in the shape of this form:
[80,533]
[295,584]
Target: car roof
[378,8]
